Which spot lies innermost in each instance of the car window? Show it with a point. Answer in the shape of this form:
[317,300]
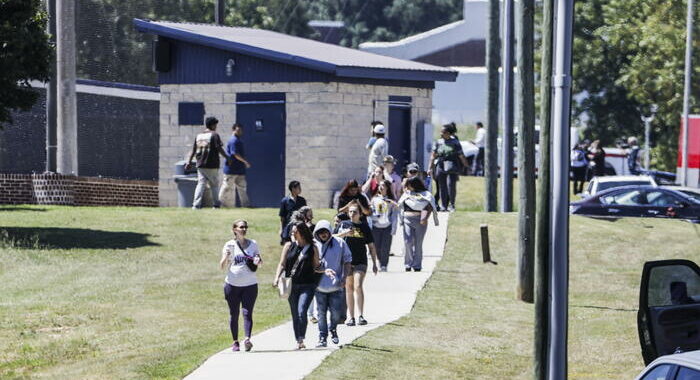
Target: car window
[673,285]
[685,373]
[661,198]
[691,194]
[609,185]
[624,198]
[657,373]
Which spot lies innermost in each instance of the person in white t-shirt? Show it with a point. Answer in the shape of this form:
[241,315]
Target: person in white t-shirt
[379,149]
[480,142]
[240,258]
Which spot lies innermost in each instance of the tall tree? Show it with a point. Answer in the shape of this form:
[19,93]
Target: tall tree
[493,51]
[25,54]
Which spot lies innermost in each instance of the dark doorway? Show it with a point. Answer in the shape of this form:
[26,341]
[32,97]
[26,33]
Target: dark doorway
[400,129]
[264,124]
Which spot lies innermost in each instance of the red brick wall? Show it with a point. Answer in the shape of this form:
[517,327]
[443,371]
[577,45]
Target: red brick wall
[77,191]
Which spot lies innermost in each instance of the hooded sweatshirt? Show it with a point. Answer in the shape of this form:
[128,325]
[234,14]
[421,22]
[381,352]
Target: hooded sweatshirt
[334,253]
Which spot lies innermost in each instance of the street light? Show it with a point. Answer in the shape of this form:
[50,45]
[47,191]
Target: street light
[647,133]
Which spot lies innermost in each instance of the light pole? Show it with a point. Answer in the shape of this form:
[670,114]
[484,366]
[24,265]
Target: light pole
[686,89]
[647,134]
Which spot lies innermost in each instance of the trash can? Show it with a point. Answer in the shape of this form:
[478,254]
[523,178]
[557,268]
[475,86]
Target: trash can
[186,181]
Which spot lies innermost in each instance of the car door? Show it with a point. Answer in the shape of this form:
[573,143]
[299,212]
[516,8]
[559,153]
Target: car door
[664,204]
[623,202]
[669,312]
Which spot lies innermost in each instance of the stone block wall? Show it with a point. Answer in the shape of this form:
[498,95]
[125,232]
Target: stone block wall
[57,189]
[326,122]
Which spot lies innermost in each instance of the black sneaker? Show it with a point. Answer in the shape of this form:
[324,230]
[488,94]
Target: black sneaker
[408,269]
[334,337]
[350,322]
[416,269]
[362,321]
[322,343]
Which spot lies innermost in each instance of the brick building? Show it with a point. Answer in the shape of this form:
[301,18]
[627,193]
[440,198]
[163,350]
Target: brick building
[305,105]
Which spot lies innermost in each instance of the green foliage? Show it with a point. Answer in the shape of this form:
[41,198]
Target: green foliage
[25,54]
[629,54]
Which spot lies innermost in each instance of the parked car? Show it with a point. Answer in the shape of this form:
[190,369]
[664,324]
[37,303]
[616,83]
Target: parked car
[682,366]
[639,201]
[689,191]
[668,320]
[598,184]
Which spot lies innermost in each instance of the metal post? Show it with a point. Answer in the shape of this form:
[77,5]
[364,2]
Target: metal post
[686,89]
[491,147]
[507,109]
[559,224]
[51,97]
[219,12]
[647,145]
[67,122]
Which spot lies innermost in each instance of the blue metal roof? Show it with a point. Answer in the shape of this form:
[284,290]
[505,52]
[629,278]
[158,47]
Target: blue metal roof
[302,52]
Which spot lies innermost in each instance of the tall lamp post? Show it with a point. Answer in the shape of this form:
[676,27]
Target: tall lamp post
[686,90]
[647,134]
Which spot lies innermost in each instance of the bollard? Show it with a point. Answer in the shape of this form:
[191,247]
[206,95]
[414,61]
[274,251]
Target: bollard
[485,249]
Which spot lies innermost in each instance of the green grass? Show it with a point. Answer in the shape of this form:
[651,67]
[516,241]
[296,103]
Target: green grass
[115,293]
[466,323]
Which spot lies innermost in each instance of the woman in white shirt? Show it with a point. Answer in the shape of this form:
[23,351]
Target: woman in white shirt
[416,205]
[240,258]
[384,216]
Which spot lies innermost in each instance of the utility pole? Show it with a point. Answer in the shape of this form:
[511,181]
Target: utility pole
[686,88]
[51,97]
[507,110]
[647,135]
[493,47]
[220,12]
[526,151]
[543,199]
[559,223]
[67,121]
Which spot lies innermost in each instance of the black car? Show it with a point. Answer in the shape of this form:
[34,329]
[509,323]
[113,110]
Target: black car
[639,201]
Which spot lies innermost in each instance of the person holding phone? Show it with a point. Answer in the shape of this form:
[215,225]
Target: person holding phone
[240,258]
[358,237]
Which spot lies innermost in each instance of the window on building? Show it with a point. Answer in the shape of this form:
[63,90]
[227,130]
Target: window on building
[190,113]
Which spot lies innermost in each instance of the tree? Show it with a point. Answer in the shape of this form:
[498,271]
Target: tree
[25,54]
[628,55]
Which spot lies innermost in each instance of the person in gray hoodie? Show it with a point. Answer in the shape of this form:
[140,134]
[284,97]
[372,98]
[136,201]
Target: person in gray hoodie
[335,259]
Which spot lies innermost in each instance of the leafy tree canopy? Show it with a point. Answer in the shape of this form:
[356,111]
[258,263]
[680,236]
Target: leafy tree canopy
[25,54]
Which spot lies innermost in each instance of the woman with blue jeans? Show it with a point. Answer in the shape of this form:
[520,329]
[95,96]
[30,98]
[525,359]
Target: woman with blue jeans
[300,260]
[416,205]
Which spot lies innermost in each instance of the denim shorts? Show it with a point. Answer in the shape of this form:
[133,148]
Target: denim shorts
[358,268]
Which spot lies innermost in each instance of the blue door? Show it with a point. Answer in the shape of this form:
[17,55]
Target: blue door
[400,129]
[263,118]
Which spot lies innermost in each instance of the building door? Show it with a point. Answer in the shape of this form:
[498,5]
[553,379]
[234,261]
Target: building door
[264,127]
[400,130]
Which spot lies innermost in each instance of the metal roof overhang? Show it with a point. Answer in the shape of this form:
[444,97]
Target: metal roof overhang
[341,71]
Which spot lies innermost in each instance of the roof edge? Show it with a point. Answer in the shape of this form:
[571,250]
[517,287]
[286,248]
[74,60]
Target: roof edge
[395,74]
[144,26]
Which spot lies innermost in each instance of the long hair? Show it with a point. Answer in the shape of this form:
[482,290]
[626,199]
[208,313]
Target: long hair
[349,185]
[304,231]
[389,191]
[416,184]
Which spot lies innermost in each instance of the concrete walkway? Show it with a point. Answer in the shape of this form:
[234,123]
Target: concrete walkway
[388,296]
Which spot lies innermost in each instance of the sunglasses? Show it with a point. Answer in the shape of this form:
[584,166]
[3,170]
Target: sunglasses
[242,227]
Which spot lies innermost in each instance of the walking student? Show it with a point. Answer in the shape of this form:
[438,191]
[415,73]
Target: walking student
[299,260]
[391,175]
[384,222]
[206,148]
[358,237]
[480,142]
[292,202]
[578,163]
[378,150]
[351,194]
[416,205]
[449,155]
[234,173]
[240,258]
[335,262]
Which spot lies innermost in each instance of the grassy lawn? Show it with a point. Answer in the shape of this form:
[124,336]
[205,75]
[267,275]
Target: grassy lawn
[107,293]
[466,323]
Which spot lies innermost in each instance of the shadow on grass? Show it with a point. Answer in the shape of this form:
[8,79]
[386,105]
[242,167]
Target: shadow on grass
[20,208]
[602,308]
[355,346]
[71,238]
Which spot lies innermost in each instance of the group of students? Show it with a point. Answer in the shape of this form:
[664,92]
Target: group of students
[327,262]
[587,160]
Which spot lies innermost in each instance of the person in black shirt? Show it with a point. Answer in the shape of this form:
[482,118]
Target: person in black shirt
[288,205]
[206,148]
[300,261]
[446,162]
[358,236]
[351,194]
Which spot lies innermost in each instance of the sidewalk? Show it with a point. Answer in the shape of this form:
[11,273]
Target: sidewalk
[388,296]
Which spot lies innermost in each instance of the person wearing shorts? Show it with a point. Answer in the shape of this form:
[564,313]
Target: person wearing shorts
[358,237]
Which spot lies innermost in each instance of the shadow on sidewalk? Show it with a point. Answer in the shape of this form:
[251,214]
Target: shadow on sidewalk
[71,238]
